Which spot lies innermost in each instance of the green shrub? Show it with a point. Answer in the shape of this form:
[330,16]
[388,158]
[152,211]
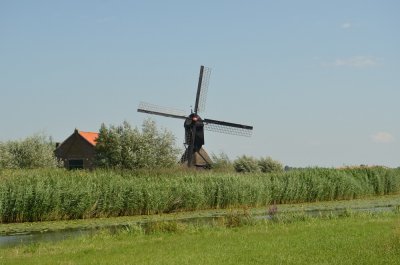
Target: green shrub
[238,218]
[36,151]
[246,164]
[221,163]
[268,165]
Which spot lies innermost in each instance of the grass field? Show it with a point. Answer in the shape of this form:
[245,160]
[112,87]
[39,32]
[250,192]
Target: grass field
[354,239]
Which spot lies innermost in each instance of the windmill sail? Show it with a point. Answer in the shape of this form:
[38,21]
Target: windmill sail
[202,89]
[161,111]
[227,127]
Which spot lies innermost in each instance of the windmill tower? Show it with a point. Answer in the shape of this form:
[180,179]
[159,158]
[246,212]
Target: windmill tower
[194,125]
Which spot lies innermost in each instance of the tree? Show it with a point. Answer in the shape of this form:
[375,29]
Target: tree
[36,151]
[128,148]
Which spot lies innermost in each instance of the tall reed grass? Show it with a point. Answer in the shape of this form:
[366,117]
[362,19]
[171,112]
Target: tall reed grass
[56,194]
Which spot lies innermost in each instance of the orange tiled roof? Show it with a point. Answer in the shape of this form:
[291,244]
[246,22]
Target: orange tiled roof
[91,137]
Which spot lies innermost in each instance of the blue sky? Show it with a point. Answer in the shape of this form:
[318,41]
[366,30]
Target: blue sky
[318,80]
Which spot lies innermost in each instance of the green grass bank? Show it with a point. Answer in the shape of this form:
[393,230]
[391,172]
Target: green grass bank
[39,195]
[355,239]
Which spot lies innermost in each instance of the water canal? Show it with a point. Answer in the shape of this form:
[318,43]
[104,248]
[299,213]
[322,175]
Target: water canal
[16,238]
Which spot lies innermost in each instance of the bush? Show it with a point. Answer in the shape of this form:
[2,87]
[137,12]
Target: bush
[221,163]
[246,164]
[125,147]
[36,151]
[268,165]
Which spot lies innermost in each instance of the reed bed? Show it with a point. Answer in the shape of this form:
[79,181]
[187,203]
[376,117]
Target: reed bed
[57,194]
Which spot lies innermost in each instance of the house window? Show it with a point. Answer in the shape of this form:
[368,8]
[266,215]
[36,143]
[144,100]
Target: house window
[75,164]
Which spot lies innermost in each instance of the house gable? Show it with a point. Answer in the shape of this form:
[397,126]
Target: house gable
[78,149]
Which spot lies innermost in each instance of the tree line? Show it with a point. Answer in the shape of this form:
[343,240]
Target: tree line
[124,147]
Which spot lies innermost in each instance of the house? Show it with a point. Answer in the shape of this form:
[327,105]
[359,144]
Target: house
[78,150]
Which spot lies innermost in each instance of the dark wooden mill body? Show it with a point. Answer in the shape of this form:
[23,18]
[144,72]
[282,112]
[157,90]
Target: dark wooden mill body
[195,155]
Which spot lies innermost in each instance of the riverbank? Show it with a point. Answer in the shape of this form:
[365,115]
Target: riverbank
[359,238]
[36,232]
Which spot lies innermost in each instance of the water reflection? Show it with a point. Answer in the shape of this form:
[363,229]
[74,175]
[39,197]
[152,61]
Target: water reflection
[31,238]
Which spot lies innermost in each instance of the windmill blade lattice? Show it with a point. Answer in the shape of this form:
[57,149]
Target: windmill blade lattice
[161,111]
[204,89]
[228,128]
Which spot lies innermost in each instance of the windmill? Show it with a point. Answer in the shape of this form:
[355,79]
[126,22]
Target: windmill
[194,125]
